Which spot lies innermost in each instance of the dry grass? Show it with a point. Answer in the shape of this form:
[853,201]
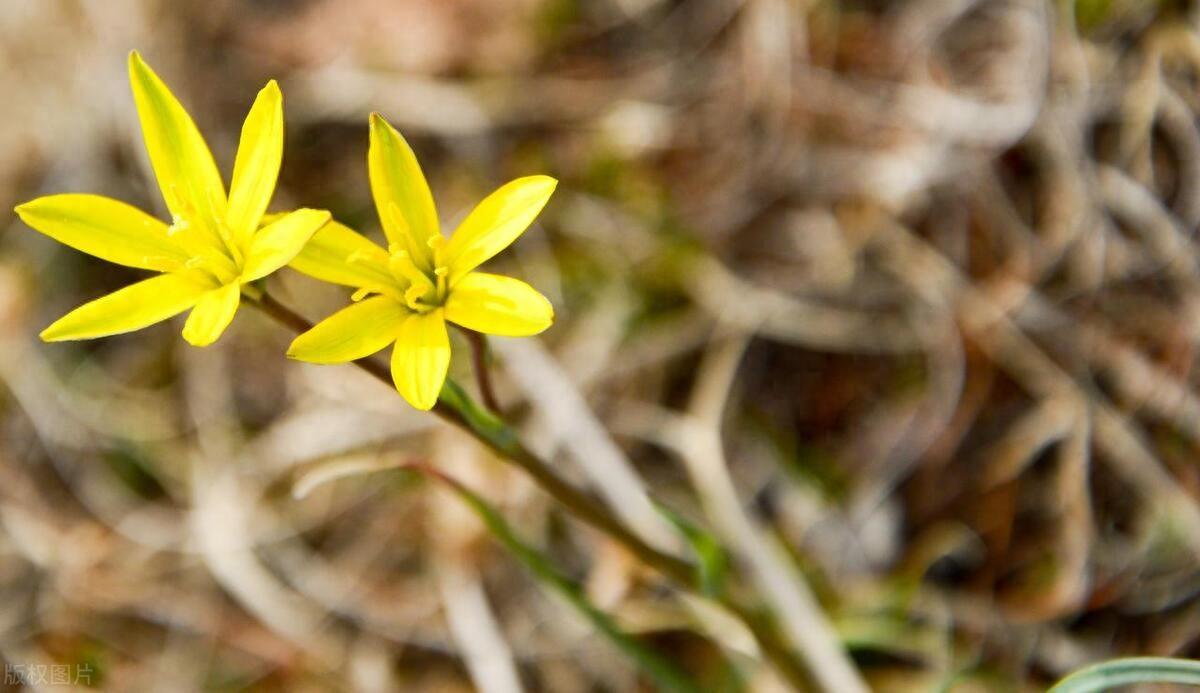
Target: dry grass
[899,299]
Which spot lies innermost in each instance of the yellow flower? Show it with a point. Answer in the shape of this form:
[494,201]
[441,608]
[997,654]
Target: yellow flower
[423,279]
[213,244]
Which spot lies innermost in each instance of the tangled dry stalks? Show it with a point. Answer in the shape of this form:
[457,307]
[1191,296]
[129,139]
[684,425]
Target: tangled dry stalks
[901,299]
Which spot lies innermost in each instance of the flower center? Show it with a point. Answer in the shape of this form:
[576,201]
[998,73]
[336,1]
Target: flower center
[425,291]
[217,256]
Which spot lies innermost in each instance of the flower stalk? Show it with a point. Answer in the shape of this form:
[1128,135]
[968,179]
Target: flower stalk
[479,361]
[457,408]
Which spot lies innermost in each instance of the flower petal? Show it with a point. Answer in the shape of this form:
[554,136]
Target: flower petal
[212,315]
[105,228]
[421,358]
[496,222]
[132,308]
[256,168]
[277,244]
[401,194]
[183,164]
[352,333]
[340,255]
[498,305]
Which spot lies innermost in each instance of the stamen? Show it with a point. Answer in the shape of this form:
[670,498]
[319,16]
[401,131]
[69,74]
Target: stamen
[403,267]
[226,235]
[441,273]
[437,243]
[413,296]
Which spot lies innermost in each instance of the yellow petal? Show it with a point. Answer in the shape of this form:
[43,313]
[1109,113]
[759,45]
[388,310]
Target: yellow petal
[105,228]
[496,222]
[421,358]
[187,174]
[277,244]
[352,333]
[131,308]
[340,255]
[401,194]
[498,305]
[256,168]
[212,315]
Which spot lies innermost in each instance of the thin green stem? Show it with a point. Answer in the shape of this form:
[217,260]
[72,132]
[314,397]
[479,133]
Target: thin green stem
[455,407]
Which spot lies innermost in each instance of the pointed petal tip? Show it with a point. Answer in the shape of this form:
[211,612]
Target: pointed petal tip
[137,63]
[412,400]
[548,182]
[54,333]
[379,124]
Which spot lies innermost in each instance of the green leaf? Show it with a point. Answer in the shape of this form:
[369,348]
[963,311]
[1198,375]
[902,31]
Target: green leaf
[664,673]
[713,566]
[1130,670]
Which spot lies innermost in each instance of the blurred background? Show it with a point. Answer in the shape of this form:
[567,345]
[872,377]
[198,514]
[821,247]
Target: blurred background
[901,300]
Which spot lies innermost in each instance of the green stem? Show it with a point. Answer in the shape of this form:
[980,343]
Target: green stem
[454,406]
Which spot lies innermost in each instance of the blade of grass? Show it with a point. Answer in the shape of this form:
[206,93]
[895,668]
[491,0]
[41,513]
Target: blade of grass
[1130,670]
[666,675]
[712,560]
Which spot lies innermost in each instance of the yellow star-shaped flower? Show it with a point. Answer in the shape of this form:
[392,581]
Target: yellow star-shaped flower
[213,244]
[423,279]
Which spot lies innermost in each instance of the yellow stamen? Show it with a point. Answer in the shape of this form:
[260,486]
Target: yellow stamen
[441,273]
[413,296]
[403,268]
